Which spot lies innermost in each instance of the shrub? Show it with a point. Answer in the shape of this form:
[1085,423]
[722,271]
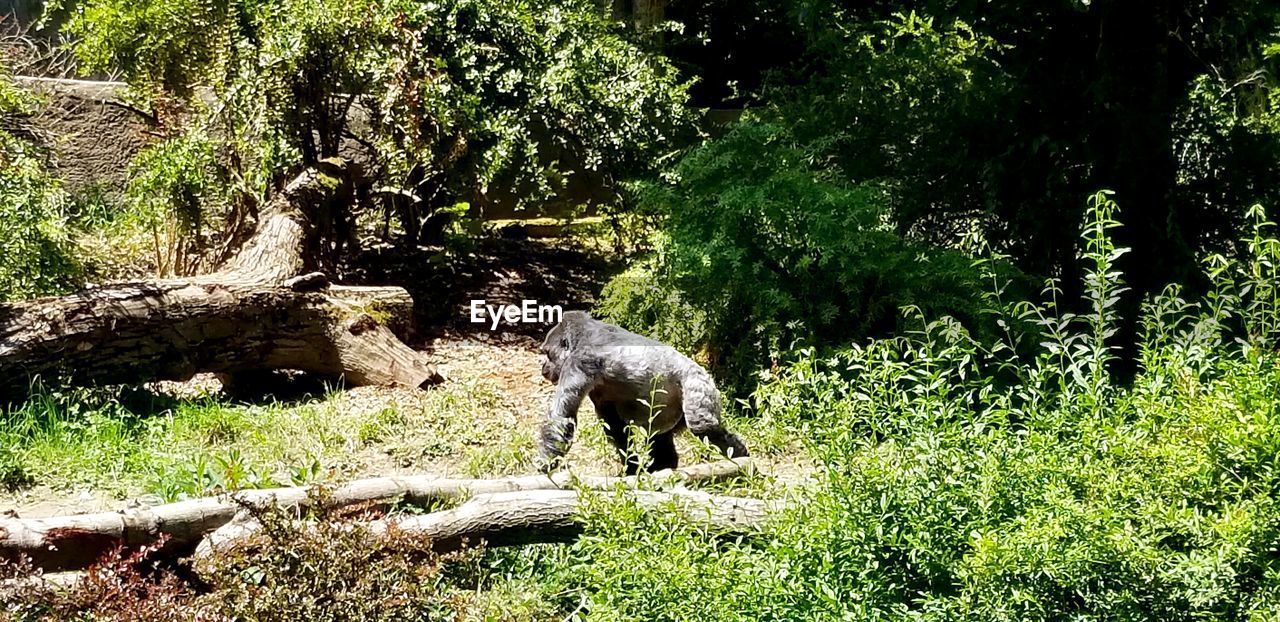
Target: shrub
[175,189]
[449,103]
[643,299]
[33,230]
[963,482]
[769,249]
[322,567]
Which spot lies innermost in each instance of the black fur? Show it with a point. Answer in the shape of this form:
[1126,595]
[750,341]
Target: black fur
[632,381]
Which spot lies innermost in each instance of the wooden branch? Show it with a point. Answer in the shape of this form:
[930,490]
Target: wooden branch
[171,330]
[69,542]
[515,518]
[506,519]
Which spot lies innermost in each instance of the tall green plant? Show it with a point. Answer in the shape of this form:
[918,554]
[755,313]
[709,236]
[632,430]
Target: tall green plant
[36,257]
[772,249]
[961,485]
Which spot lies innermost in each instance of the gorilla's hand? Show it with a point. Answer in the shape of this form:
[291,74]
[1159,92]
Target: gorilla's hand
[548,464]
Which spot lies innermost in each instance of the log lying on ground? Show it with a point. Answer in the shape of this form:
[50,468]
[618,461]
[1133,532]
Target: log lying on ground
[266,309]
[505,519]
[514,518]
[68,542]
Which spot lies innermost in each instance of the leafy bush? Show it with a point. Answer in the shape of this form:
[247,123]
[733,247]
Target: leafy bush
[123,585]
[464,101]
[909,102]
[177,197]
[963,482]
[33,232]
[769,249]
[643,299]
[322,567]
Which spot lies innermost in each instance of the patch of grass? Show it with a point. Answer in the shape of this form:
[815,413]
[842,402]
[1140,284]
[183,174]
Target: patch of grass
[523,583]
[92,440]
[444,423]
[13,476]
[515,455]
[77,439]
[380,426]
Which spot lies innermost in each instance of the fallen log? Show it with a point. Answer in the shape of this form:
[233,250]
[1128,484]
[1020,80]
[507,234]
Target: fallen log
[70,542]
[506,519]
[267,308]
[516,518]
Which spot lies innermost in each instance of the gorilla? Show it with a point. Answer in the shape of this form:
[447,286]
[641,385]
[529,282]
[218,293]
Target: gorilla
[631,380]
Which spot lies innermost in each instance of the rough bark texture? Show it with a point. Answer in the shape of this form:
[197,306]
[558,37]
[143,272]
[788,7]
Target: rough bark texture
[505,519]
[514,518]
[265,309]
[76,541]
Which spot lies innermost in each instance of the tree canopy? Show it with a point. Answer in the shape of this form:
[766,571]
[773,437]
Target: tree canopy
[456,101]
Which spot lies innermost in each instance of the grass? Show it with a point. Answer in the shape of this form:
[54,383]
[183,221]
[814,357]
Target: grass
[92,440]
[960,480]
[63,443]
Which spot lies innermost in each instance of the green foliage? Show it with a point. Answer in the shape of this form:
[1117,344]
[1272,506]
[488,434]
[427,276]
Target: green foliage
[464,101]
[1227,136]
[902,102]
[642,298]
[124,443]
[964,482]
[36,257]
[996,118]
[646,564]
[523,97]
[770,249]
[174,187]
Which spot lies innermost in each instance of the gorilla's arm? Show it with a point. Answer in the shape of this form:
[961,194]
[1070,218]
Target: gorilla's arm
[562,417]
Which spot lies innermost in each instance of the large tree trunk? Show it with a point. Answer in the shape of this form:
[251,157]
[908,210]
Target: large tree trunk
[65,542]
[266,309]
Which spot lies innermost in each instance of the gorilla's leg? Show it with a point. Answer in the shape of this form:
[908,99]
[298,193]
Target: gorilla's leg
[702,415]
[727,442]
[662,452]
[615,427]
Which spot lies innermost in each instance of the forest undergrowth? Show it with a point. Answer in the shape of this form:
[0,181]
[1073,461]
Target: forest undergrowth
[959,480]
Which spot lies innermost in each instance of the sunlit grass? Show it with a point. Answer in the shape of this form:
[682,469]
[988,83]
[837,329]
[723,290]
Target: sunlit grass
[91,440]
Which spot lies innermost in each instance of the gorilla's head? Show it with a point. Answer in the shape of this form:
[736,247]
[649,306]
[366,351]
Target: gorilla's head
[558,343]
[554,349]
[550,371]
